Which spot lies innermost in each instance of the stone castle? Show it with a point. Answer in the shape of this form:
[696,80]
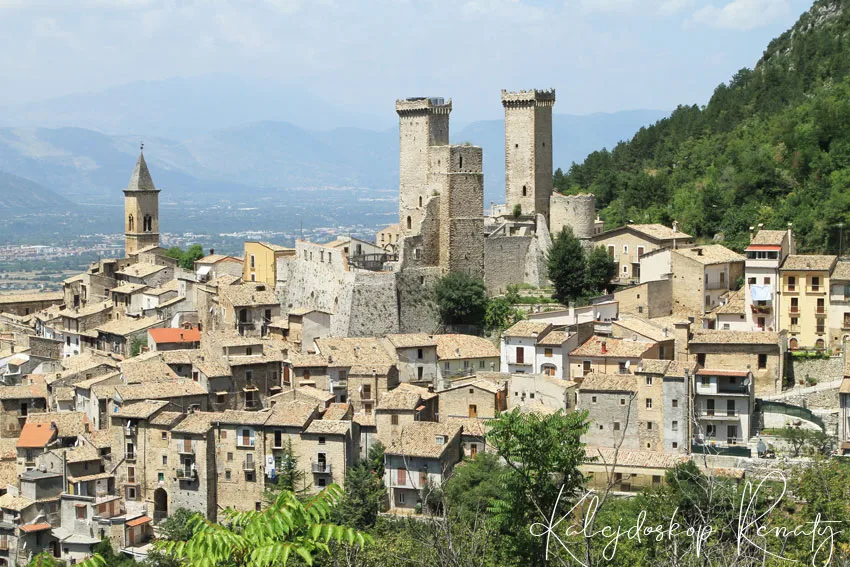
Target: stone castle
[442,226]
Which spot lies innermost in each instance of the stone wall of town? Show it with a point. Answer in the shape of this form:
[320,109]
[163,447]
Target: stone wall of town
[575,211]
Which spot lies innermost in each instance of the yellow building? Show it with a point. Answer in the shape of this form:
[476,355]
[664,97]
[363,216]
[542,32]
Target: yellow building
[804,299]
[261,260]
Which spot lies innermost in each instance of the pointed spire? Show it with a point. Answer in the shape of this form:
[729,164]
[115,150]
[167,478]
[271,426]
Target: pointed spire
[141,179]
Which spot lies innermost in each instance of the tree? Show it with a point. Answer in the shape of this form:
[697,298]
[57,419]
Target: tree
[517,212]
[601,269]
[187,259]
[286,530]
[461,299]
[105,552]
[176,526]
[137,344]
[567,266]
[795,437]
[363,498]
[542,454]
[500,315]
[289,476]
[375,457]
[45,559]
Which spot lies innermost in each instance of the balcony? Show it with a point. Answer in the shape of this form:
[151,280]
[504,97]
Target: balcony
[130,431]
[249,465]
[243,443]
[718,414]
[187,474]
[816,289]
[321,468]
[130,457]
[794,328]
[186,450]
[713,286]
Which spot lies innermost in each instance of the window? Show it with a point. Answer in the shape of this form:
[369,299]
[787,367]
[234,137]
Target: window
[623,368]
[648,403]
[420,354]
[701,359]
[675,445]
[250,398]
[649,426]
[611,251]
[473,410]
[367,408]
[394,419]
[223,434]
[674,425]
[625,248]
[81,511]
[547,352]
[585,366]
[762,361]
[649,380]
[229,456]
[131,493]
[730,408]
[420,372]
[253,263]
[249,476]
[815,283]
[520,355]
[766,281]
[593,399]
[160,477]
[367,392]
[616,426]
[524,191]
[675,403]
[321,440]
[165,459]
[751,281]
[792,283]
[409,223]
[227,474]
[258,506]
[165,435]
[622,401]
[640,251]
[656,479]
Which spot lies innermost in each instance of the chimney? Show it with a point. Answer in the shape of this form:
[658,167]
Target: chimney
[604,347]
[760,226]
[699,251]
[682,337]
[675,226]
[752,233]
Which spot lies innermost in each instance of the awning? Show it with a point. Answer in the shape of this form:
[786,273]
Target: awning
[249,389]
[141,520]
[204,270]
[29,528]
[221,393]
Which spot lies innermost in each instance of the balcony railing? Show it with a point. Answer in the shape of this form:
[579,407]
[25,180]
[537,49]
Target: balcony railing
[247,443]
[185,450]
[130,431]
[718,413]
[321,468]
[249,465]
[816,289]
[130,457]
[187,474]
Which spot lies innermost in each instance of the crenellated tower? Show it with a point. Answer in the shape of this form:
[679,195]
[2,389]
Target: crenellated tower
[423,123]
[141,210]
[528,150]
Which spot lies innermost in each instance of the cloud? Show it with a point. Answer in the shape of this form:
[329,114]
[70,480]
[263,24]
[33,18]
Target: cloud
[668,7]
[608,5]
[741,15]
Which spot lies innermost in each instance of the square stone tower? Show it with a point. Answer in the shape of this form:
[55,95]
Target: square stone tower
[457,175]
[528,150]
[422,123]
[141,210]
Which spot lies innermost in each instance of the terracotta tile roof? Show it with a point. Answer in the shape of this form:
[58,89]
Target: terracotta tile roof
[170,335]
[102,439]
[136,371]
[808,262]
[139,521]
[647,459]
[169,287]
[127,325]
[127,288]
[36,435]
[196,423]
[404,397]
[364,419]
[653,231]
[159,390]
[81,453]
[411,340]
[291,413]
[16,503]
[769,237]
[140,410]
[167,418]
[140,270]
[329,427]
[597,382]
[247,294]
[321,396]
[70,423]
[237,417]
[419,439]
[63,394]
[39,527]
[711,254]
[735,303]
[486,385]
[614,348]
[672,368]
[89,309]
[714,336]
[216,258]
[645,328]
[460,347]
[31,297]
[527,329]
[471,426]
[554,338]
[87,384]
[90,477]
[8,448]
[338,412]
[841,270]
[8,473]
[349,352]
[25,392]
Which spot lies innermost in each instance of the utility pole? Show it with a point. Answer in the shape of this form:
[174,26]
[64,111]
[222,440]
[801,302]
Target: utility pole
[840,239]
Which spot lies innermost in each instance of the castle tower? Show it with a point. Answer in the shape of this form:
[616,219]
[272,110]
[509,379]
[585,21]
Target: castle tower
[141,210]
[528,150]
[422,123]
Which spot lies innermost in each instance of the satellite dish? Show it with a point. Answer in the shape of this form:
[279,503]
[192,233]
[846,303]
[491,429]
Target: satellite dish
[747,382]
[628,363]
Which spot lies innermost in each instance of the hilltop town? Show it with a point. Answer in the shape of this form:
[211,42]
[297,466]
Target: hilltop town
[145,386]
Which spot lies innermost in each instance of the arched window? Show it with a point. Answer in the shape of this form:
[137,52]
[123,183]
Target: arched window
[409,223]
[130,223]
[147,223]
[420,201]
[792,344]
[819,344]
[461,162]
[524,191]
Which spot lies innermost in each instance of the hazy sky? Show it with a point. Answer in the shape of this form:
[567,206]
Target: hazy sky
[601,55]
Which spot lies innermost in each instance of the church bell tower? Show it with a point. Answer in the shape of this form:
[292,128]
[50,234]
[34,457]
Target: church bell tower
[141,209]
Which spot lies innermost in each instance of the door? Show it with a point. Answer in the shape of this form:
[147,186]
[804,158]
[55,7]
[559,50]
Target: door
[709,407]
[402,476]
[473,450]
[520,355]
[731,434]
[473,410]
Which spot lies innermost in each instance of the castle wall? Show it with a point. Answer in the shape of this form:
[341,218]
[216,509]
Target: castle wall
[576,211]
[373,310]
[418,312]
[501,262]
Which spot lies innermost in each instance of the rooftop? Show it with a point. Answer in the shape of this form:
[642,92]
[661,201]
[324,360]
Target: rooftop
[735,303]
[711,254]
[769,238]
[169,335]
[23,392]
[841,270]
[714,336]
[140,270]
[481,384]
[459,347]
[527,329]
[236,417]
[410,340]
[329,427]
[553,338]
[31,297]
[365,351]
[69,423]
[809,262]
[141,180]
[16,503]
[247,294]
[140,410]
[159,390]
[36,435]
[598,382]
[653,231]
[338,411]
[645,328]
[614,348]
[196,423]
[647,459]
[404,397]
[127,325]
[423,439]
[292,413]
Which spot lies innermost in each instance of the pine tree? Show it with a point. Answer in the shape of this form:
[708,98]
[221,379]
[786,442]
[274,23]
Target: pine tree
[567,266]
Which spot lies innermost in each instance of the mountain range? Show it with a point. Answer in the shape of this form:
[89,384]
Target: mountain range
[217,147]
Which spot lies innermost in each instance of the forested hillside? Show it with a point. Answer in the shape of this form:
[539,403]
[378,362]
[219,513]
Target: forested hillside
[772,146]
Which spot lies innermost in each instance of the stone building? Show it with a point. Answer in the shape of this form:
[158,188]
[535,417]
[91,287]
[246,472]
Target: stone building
[606,355]
[416,357]
[528,150]
[328,447]
[463,355]
[674,379]
[17,403]
[611,401]
[141,210]
[838,318]
[474,397]
[403,405]
[627,245]
[546,391]
[26,303]
[240,456]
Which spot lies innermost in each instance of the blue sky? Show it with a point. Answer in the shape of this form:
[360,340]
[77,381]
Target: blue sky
[601,55]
